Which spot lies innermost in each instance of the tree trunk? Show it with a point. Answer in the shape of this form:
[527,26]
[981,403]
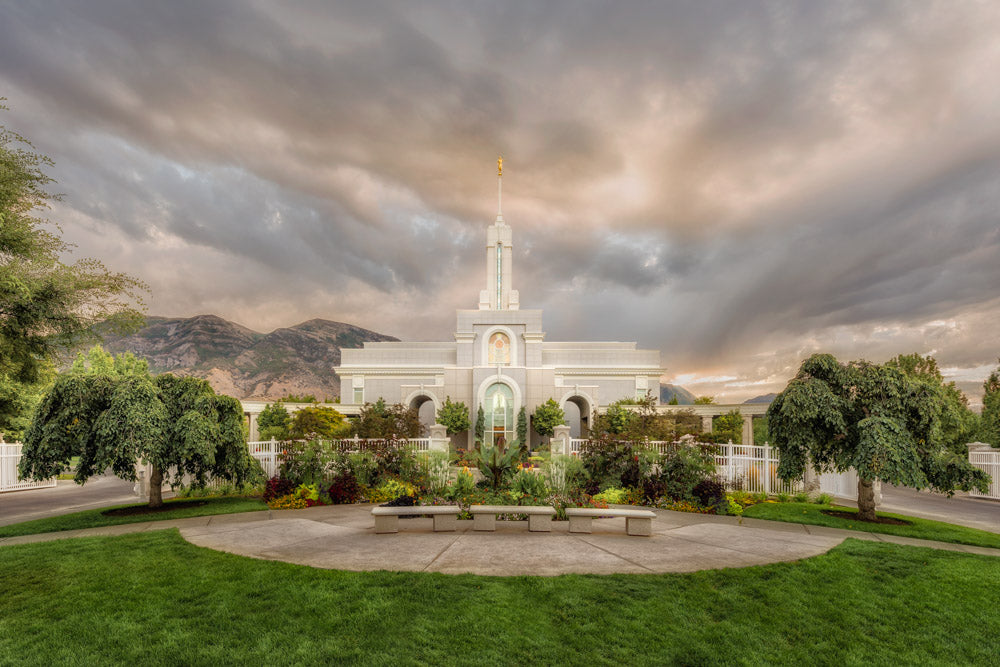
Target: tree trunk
[155,487]
[866,500]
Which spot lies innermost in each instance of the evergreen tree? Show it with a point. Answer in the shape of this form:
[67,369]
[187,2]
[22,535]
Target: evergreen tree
[454,416]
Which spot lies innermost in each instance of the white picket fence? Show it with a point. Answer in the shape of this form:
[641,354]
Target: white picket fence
[10,457]
[989,462]
[268,452]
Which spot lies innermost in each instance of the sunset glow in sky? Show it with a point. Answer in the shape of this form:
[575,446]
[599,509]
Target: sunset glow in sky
[737,184]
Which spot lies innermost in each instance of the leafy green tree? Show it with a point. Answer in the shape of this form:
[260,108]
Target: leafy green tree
[480,425]
[19,399]
[100,362]
[547,416]
[990,430]
[673,400]
[958,425]
[274,422]
[704,400]
[729,427]
[46,305]
[378,420]
[454,416]
[318,422]
[177,425]
[874,418]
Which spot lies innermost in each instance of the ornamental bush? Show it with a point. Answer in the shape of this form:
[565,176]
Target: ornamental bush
[277,487]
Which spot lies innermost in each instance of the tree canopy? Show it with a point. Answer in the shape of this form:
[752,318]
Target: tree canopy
[990,431]
[889,422]
[274,422]
[378,420]
[454,416]
[318,422]
[547,416]
[179,426]
[46,305]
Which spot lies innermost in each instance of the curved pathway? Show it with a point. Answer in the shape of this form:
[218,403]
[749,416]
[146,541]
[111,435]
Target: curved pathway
[343,537]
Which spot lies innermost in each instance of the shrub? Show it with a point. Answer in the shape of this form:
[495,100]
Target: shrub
[613,496]
[277,487]
[363,467]
[681,469]
[709,492]
[307,462]
[344,488]
[390,490]
[529,484]
[801,497]
[615,463]
[464,485]
[824,499]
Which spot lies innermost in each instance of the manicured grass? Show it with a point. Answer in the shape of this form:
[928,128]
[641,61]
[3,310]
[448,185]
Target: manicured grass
[152,598]
[812,514]
[94,518]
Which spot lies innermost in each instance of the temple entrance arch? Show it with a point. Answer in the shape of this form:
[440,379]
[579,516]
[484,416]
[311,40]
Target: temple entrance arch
[578,408]
[500,398]
[426,405]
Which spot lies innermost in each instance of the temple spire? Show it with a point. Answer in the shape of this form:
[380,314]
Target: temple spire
[500,188]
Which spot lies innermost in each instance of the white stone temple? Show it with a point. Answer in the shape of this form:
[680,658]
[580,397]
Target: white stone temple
[500,360]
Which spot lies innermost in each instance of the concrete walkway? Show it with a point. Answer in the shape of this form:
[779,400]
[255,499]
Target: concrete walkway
[342,537]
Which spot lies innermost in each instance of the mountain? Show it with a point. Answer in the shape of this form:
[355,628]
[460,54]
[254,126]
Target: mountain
[763,398]
[668,391]
[244,363]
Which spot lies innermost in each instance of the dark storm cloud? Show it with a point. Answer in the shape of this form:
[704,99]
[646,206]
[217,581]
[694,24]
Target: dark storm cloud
[718,180]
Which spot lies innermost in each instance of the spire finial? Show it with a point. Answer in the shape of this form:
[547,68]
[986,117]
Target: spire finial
[500,188]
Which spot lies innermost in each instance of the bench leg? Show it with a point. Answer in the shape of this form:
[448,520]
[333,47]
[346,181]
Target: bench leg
[484,522]
[637,526]
[539,523]
[387,524]
[444,523]
[580,524]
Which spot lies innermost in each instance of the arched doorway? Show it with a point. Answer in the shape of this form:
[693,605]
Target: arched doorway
[426,409]
[577,411]
[498,409]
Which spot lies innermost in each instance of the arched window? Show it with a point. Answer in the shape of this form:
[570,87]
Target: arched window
[498,409]
[499,349]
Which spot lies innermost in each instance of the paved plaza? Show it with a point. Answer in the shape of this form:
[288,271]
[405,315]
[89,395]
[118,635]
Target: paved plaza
[343,537]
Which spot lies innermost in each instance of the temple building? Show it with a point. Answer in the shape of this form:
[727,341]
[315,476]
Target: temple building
[500,360]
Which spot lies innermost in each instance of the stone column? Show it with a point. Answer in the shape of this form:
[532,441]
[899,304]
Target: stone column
[706,423]
[747,429]
[254,434]
[560,439]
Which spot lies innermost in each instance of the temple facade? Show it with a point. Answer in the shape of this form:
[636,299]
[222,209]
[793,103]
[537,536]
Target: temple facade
[499,359]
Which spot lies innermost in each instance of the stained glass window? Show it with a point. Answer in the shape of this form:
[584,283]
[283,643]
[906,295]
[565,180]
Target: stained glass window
[499,347]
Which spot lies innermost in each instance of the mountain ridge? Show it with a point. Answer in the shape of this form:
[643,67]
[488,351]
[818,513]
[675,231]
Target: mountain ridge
[244,363]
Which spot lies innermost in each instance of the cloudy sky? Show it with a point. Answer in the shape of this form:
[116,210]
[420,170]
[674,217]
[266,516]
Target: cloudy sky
[736,184]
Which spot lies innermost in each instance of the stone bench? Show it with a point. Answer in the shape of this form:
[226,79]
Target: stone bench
[637,522]
[445,517]
[484,517]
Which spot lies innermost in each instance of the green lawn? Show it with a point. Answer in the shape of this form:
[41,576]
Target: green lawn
[152,598]
[94,518]
[811,513]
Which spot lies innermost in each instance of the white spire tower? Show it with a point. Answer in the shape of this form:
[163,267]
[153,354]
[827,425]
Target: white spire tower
[499,251]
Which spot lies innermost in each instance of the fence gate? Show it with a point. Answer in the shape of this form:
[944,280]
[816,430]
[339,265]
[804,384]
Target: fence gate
[988,460]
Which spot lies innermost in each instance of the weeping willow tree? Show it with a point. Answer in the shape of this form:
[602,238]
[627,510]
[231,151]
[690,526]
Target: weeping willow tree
[888,422]
[178,426]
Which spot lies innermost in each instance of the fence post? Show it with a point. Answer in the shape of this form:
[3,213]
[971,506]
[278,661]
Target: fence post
[439,440]
[767,468]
